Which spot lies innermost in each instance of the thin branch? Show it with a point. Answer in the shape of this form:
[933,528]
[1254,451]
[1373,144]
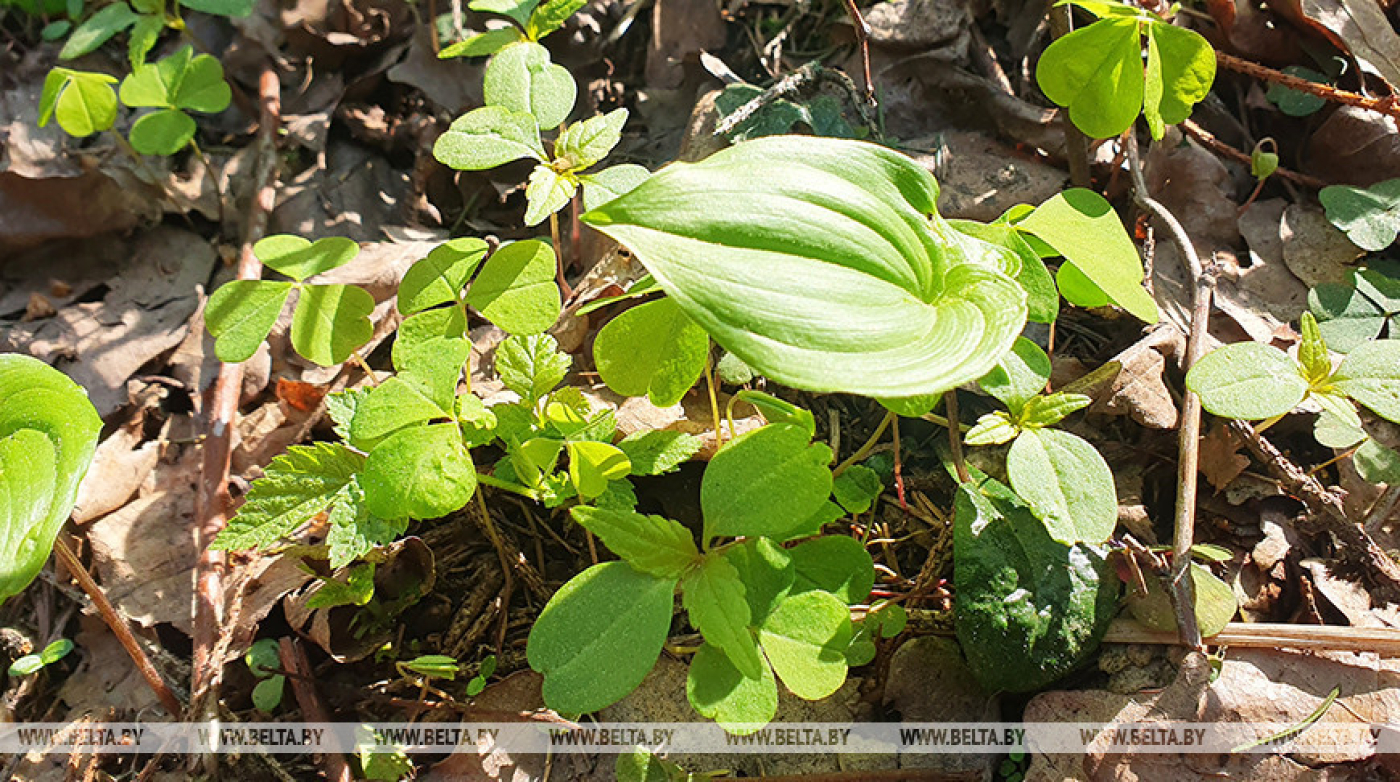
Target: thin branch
[1209,141]
[950,407]
[1076,143]
[1387,105]
[294,659]
[1384,641]
[863,40]
[1188,443]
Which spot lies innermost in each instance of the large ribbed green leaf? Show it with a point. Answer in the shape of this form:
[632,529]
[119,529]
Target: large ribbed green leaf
[823,264]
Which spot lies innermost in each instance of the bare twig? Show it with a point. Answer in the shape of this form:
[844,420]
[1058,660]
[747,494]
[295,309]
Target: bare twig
[950,408]
[1209,141]
[508,552]
[1387,105]
[1076,144]
[119,627]
[1382,508]
[863,40]
[1383,641]
[293,658]
[214,503]
[1188,444]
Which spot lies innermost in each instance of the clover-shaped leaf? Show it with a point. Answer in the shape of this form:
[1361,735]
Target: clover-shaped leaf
[1096,72]
[516,289]
[1369,216]
[1371,375]
[163,132]
[440,277]
[180,81]
[1352,313]
[82,102]
[521,78]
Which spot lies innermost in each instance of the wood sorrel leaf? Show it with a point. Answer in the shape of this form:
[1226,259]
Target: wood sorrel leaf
[48,434]
[180,81]
[518,10]
[241,313]
[767,572]
[1369,216]
[1180,71]
[422,472]
[488,137]
[1248,381]
[1029,609]
[299,258]
[1067,482]
[805,639]
[1096,72]
[440,277]
[163,132]
[654,350]
[331,322]
[1370,374]
[716,688]
[584,143]
[417,334]
[713,595]
[395,404]
[521,78]
[824,265]
[651,544]
[835,564]
[516,289]
[592,465]
[765,482]
[82,102]
[603,186]
[1082,226]
[599,635]
[1019,375]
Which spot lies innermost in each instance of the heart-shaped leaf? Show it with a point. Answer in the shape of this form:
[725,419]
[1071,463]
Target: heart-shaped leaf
[1096,72]
[299,258]
[241,313]
[440,277]
[488,137]
[765,482]
[1371,375]
[653,350]
[516,289]
[767,572]
[1067,482]
[740,704]
[1180,71]
[835,564]
[823,264]
[180,81]
[331,322]
[521,78]
[805,639]
[163,132]
[82,102]
[1248,381]
[1370,216]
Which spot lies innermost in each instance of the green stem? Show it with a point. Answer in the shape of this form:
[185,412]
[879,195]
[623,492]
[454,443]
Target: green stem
[1270,422]
[867,447]
[497,483]
[714,402]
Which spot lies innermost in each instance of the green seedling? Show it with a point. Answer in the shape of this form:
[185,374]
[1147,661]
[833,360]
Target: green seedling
[1370,216]
[82,102]
[48,434]
[1098,73]
[765,612]
[145,18]
[173,86]
[263,661]
[1365,307]
[642,765]
[531,21]
[33,663]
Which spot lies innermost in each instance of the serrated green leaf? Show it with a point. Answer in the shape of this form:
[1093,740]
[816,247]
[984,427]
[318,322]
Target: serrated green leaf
[423,472]
[592,465]
[1067,482]
[550,16]
[1096,72]
[1248,381]
[482,44]
[599,636]
[653,349]
[857,488]
[241,313]
[1370,375]
[294,488]
[546,192]
[718,691]
[440,277]
[1369,216]
[488,137]
[354,531]
[521,78]
[97,30]
[603,186]
[1043,411]
[163,132]
[816,236]
[658,451]
[516,289]
[531,366]
[805,639]
[835,564]
[1082,226]
[713,596]
[300,258]
[1020,374]
[993,428]
[766,570]
[331,322]
[651,544]
[765,483]
[585,143]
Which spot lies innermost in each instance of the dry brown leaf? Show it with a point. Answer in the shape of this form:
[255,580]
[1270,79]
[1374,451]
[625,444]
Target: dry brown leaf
[1355,147]
[145,556]
[1315,251]
[1220,460]
[1356,26]
[680,30]
[1138,389]
[928,681]
[119,467]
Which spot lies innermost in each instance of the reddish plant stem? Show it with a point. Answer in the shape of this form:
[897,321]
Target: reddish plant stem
[1209,141]
[214,503]
[293,657]
[1387,105]
[119,627]
[862,29]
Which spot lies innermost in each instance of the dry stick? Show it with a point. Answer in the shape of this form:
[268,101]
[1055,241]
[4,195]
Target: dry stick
[950,408]
[1188,444]
[1387,105]
[1382,508]
[507,551]
[1209,141]
[862,40]
[293,658]
[119,627]
[1384,641]
[1076,144]
[1324,507]
[213,504]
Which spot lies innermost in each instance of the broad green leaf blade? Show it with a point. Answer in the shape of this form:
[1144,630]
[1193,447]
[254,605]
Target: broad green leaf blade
[231,8]
[1371,375]
[295,487]
[822,264]
[482,44]
[488,137]
[55,82]
[651,544]
[299,258]
[1096,72]
[163,132]
[713,595]
[1376,463]
[1042,300]
[765,483]
[531,366]
[516,289]
[1370,216]
[835,564]
[1154,88]
[241,313]
[767,572]
[331,322]
[395,404]
[1067,482]
[1332,431]
[87,104]
[805,639]
[1187,70]
[857,488]
[658,451]
[202,87]
[1078,289]
[1346,317]
[521,78]
[584,143]
[1082,226]
[592,465]
[440,277]
[1248,381]
[1042,411]
[423,472]
[716,688]
[418,334]
[1020,374]
[599,635]
[550,16]
[654,350]
[1029,609]
[546,192]
[517,10]
[434,364]
[28,479]
[612,182]
[1215,604]
[97,30]
[154,85]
